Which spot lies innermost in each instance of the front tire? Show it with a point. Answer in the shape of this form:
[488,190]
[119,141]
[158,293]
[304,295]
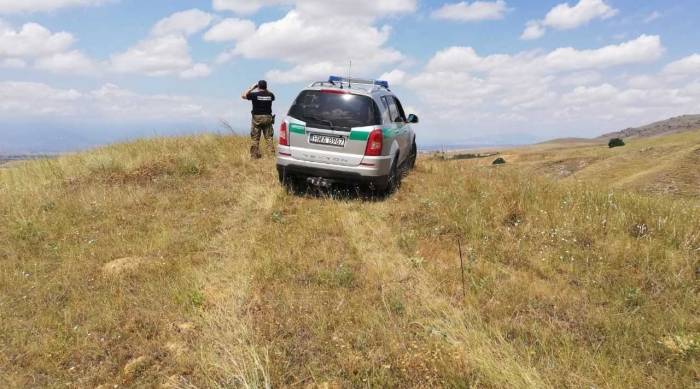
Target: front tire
[413,156]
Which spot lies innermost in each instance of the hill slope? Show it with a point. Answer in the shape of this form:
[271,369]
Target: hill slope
[660,165]
[179,262]
[665,127]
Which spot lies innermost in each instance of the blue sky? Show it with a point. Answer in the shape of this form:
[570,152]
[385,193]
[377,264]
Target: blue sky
[76,73]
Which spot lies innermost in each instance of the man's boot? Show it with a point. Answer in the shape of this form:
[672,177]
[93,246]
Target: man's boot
[255,151]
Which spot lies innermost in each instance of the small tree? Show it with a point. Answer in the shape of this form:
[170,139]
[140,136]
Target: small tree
[616,142]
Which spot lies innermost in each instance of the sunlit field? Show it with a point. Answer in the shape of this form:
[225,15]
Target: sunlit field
[181,263]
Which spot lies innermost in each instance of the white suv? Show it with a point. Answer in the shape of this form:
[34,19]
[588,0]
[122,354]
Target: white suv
[347,130]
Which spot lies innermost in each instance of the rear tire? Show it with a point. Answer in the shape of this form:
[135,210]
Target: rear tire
[392,181]
[287,180]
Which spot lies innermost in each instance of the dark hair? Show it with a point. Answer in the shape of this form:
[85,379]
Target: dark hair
[262,84]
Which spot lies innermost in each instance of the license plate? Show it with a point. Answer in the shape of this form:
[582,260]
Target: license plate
[327,140]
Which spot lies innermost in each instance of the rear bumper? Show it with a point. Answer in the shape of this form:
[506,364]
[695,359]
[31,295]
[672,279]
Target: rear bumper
[369,167]
[301,171]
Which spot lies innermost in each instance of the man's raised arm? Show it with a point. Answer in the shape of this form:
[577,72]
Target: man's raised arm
[244,96]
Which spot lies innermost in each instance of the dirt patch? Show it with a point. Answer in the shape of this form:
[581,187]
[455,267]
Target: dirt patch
[175,348]
[113,173]
[566,167]
[681,179]
[123,265]
[135,366]
[184,327]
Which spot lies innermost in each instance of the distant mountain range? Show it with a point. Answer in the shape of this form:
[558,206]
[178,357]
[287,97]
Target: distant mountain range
[674,125]
[13,158]
[665,127]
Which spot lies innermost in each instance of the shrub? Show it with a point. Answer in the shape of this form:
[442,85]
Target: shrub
[616,142]
[499,161]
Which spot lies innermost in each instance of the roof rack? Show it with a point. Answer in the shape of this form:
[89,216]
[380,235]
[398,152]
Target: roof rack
[350,81]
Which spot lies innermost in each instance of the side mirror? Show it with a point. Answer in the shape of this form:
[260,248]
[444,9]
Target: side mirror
[412,118]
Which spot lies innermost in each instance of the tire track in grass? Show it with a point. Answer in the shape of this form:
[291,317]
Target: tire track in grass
[317,291]
[307,283]
[471,353]
[226,352]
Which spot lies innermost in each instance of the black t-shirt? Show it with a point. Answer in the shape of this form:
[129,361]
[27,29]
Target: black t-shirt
[262,102]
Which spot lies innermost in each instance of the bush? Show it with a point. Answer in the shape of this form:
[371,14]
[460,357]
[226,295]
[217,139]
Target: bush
[616,142]
[499,161]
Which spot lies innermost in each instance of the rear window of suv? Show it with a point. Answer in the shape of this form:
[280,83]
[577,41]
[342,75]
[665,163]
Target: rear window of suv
[335,109]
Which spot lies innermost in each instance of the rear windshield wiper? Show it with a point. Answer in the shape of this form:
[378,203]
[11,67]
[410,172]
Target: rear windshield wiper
[319,120]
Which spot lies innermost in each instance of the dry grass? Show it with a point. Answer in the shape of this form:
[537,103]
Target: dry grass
[661,165]
[226,280]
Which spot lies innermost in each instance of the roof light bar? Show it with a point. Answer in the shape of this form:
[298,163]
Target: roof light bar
[334,79]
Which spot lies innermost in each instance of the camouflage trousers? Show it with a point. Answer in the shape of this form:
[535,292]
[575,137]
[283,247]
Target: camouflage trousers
[261,125]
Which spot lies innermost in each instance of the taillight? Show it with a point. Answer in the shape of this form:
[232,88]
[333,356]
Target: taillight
[284,135]
[375,143]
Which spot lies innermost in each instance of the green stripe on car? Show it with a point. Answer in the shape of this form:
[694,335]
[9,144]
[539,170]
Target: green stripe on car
[388,132]
[359,135]
[297,129]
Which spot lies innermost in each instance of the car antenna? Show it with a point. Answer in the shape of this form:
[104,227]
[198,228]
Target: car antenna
[349,74]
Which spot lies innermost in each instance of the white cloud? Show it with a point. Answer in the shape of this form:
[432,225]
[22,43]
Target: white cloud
[166,51]
[565,88]
[646,48]
[18,6]
[643,82]
[47,50]
[186,22]
[109,102]
[355,8]
[13,63]
[293,39]
[567,17]
[158,56]
[243,6]
[687,66]
[585,95]
[197,71]
[470,12]
[73,62]
[583,78]
[322,8]
[231,29]
[464,59]
[533,30]
[305,72]
[315,37]
[28,98]
[113,101]
[395,76]
[32,40]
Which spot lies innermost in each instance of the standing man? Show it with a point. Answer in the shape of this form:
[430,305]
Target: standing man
[262,117]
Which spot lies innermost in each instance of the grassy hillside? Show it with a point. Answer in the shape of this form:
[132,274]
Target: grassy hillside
[668,165]
[178,262]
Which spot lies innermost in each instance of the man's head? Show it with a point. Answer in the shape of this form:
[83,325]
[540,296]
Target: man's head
[262,84]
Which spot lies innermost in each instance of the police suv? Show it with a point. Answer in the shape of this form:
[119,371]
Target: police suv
[347,130]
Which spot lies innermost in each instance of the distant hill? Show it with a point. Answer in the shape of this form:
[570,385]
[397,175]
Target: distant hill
[6,159]
[665,164]
[572,140]
[670,126]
